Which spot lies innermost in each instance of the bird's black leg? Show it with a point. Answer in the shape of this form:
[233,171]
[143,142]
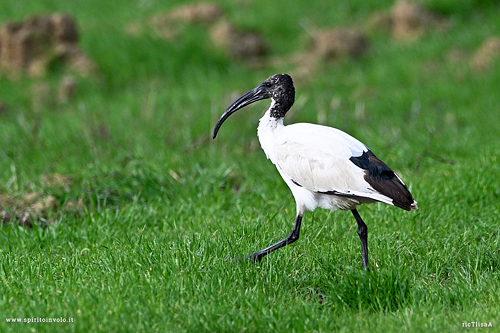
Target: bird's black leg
[363,236]
[294,235]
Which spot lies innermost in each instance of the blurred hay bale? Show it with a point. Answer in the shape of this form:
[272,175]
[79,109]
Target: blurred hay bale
[75,59]
[331,44]
[239,44]
[65,29]
[164,24]
[72,206]
[485,55]
[57,180]
[161,26]
[380,20]
[406,21]
[34,206]
[43,205]
[67,89]
[32,45]
[246,45]
[200,12]
[409,20]
[6,200]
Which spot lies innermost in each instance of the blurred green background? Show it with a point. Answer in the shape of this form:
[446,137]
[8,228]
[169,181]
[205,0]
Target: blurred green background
[120,211]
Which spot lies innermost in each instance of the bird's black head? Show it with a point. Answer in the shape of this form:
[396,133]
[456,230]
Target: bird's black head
[278,87]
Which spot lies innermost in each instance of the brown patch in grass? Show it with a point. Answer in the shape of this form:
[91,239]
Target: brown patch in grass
[380,20]
[44,204]
[74,206]
[57,180]
[329,45]
[166,24]
[75,59]
[200,12]
[485,55]
[37,207]
[237,43]
[67,89]
[249,45]
[31,46]
[410,20]
[160,23]
[332,44]
[26,210]
[406,21]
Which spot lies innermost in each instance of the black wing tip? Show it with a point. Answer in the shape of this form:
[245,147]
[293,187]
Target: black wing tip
[385,181]
[405,205]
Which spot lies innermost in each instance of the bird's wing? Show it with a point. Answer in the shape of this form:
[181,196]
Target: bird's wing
[326,160]
[318,158]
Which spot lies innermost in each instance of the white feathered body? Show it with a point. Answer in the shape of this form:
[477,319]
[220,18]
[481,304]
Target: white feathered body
[313,159]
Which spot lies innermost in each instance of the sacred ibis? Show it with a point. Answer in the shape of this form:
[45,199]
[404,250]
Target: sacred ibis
[323,166]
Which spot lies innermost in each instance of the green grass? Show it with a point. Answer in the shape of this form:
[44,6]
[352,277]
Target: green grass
[166,206]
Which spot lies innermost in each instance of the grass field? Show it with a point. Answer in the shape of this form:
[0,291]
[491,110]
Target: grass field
[164,206]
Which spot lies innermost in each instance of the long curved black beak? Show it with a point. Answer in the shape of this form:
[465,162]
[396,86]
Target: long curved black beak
[250,97]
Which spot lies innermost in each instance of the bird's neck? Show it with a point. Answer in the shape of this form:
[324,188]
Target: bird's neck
[268,121]
[268,127]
